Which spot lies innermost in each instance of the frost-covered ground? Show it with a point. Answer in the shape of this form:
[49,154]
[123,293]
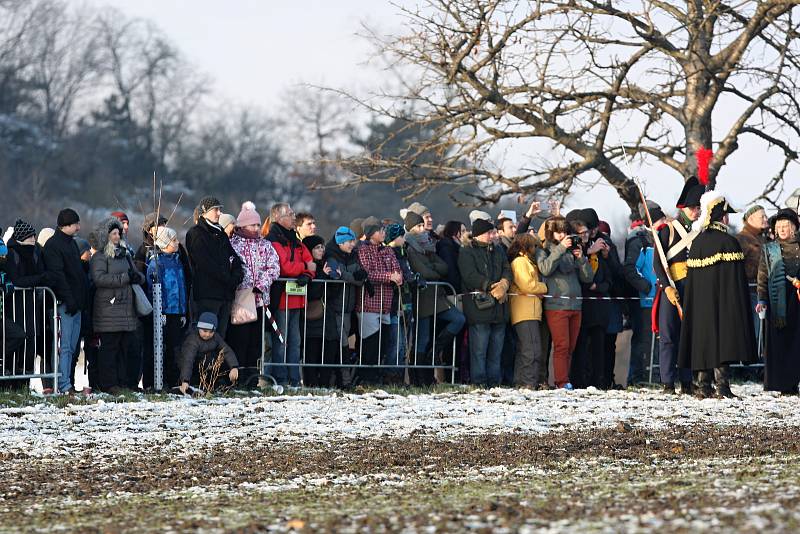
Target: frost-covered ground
[500,459]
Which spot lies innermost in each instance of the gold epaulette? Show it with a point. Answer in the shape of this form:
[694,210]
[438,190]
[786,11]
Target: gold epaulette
[678,270]
[716,258]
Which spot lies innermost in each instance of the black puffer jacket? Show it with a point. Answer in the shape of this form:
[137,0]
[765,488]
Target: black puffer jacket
[61,257]
[216,268]
[340,300]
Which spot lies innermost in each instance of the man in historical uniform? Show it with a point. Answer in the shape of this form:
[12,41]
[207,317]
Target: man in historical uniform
[717,323]
[676,238]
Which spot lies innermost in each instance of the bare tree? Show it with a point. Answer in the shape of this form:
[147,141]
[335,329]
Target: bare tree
[157,89]
[581,82]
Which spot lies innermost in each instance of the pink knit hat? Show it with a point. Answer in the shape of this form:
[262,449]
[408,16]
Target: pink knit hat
[248,215]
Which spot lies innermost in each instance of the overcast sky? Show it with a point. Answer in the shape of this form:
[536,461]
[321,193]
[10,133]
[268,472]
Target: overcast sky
[255,49]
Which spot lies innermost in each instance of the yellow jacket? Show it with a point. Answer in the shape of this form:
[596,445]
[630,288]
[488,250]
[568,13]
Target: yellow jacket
[526,282]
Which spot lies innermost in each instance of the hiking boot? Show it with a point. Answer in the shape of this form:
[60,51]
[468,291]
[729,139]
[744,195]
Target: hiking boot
[668,389]
[724,392]
[687,388]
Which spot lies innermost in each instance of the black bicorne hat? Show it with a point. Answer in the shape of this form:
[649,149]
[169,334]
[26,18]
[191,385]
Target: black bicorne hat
[690,196]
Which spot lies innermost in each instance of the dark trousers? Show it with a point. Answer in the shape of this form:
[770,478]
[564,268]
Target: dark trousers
[641,345]
[611,359]
[322,352]
[669,338]
[113,359]
[546,344]
[588,362]
[220,308]
[528,362]
[246,340]
[370,355]
[508,355]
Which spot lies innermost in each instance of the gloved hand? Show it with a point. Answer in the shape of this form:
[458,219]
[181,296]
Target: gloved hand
[420,281]
[303,280]
[133,276]
[499,290]
[257,291]
[370,288]
[672,296]
[360,275]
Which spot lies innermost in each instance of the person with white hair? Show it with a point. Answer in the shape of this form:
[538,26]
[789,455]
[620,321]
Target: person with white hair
[166,265]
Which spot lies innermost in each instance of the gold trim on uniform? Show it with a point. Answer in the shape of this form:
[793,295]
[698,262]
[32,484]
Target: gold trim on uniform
[678,270]
[716,258]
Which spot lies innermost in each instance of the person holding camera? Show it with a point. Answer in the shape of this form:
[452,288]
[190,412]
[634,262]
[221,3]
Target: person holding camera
[562,263]
[486,274]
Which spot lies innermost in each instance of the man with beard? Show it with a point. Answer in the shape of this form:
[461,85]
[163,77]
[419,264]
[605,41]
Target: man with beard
[676,238]
[717,324]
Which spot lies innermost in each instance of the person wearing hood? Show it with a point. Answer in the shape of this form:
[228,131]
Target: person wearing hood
[61,257]
[341,262]
[261,269]
[779,297]
[216,268]
[115,318]
[486,276]
[288,299]
[25,269]
[430,300]
[166,266]
[717,325]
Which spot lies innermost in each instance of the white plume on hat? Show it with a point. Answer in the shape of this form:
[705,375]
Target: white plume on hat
[707,203]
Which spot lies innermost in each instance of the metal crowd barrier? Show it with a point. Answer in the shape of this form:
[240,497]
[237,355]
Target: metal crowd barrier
[29,326]
[406,325]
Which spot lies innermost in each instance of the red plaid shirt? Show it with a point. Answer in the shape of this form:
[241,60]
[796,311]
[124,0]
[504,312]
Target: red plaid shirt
[379,262]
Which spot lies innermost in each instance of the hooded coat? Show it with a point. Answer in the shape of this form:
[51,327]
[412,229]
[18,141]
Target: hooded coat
[114,305]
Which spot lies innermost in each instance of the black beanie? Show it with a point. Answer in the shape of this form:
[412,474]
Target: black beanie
[312,241]
[370,225]
[66,217]
[22,231]
[412,219]
[589,216]
[480,227]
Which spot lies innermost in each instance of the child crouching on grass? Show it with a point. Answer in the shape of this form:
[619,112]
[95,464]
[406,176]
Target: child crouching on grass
[201,349]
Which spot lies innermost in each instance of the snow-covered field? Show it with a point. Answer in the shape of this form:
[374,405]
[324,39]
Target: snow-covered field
[501,459]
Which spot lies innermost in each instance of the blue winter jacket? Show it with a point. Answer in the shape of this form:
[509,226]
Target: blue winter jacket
[644,265]
[173,283]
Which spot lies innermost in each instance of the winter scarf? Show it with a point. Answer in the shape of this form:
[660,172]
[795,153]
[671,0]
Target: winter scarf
[421,243]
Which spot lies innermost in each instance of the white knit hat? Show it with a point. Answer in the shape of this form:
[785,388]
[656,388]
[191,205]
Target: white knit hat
[165,237]
[474,215]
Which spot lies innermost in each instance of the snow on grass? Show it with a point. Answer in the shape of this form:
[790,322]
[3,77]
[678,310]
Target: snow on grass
[185,425]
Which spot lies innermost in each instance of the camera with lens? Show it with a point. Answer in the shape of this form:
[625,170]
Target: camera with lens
[576,241]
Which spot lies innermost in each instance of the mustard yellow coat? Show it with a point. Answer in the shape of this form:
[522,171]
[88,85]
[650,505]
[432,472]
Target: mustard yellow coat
[527,282]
